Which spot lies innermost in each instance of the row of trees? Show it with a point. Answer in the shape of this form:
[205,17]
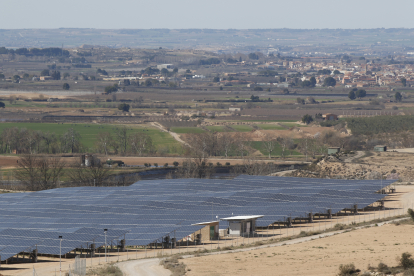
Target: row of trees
[123,142]
[27,141]
[36,172]
[381,124]
[357,93]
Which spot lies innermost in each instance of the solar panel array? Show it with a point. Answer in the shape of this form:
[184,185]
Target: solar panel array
[149,210]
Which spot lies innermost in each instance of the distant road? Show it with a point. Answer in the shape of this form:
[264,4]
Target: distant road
[49,92]
[319,95]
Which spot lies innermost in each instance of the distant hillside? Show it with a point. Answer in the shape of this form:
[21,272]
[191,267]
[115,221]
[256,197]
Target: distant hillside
[379,40]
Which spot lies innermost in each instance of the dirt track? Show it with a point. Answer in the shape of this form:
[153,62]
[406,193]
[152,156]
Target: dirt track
[146,267]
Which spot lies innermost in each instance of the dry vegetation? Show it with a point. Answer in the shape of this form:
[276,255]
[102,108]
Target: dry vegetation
[108,270]
[176,267]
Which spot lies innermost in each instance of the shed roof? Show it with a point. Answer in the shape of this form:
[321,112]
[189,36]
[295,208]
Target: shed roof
[242,218]
[206,223]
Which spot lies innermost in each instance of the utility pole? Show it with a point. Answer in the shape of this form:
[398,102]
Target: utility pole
[60,255]
[105,230]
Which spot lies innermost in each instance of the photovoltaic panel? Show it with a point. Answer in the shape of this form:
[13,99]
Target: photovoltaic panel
[150,210]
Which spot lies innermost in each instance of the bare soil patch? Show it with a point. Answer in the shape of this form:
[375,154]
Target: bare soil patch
[318,257]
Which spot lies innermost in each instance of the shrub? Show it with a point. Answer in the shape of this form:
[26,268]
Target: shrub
[110,270]
[146,164]
[66,86]
[218,164]
[227,163]
[382,267]
[339,226]
[409,272]
[348,269]
[124,107]
[156,165]
[175,163]
[406,261]
[411,213]
[165,165]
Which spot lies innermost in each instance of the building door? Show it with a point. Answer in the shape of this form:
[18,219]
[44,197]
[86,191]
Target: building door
[211,232]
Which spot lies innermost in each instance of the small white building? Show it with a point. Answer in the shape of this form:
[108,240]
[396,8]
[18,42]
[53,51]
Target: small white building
[166,66]
[235,108]
[242,225]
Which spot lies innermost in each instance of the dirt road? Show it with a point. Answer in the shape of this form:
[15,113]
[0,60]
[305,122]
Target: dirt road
[357,155]
[173,134]
[145,267]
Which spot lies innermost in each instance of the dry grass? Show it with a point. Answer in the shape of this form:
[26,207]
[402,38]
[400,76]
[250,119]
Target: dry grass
[109,270]
[177,268]
[347,269]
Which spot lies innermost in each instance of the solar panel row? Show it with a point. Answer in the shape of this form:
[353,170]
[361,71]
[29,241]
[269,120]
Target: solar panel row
[149,210]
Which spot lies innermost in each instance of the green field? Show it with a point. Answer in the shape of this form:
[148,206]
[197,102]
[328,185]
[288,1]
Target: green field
[271,127]
[186,130]
[258,145]
[217,129]
[293,125]
[242,128]
[89,132]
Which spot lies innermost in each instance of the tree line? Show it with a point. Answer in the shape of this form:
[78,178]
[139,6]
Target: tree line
[37,172]
[49,52]
[27,141]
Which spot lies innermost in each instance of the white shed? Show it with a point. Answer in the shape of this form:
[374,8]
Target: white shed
[242,225]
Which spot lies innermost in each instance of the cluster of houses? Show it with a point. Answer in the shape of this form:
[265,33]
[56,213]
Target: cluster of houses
[351,75]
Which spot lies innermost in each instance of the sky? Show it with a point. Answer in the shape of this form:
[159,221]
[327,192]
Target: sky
[212,14]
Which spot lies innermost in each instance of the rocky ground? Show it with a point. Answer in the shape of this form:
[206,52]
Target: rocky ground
[370,165]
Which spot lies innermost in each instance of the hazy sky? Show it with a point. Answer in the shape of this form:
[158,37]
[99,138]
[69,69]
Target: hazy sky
[214,14]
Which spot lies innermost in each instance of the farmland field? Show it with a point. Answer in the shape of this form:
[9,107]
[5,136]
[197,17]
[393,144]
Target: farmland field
[89,132]
[270,127]
[242,128]
[217,128]
[186,130]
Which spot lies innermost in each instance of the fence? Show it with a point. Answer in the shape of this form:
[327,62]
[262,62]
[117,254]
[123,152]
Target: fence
[79,267]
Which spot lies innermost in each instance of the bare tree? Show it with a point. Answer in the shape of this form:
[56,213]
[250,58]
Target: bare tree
[195,168]
[269,145]
[204,144]
[227,142]
[71,141]
[284,143]
[39,173]
[104,142]
[27,172]
[140,143]
[305,144]
[254,167]
[242,145]
[49,138]
[122,135]
[96,174]
[49,170]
